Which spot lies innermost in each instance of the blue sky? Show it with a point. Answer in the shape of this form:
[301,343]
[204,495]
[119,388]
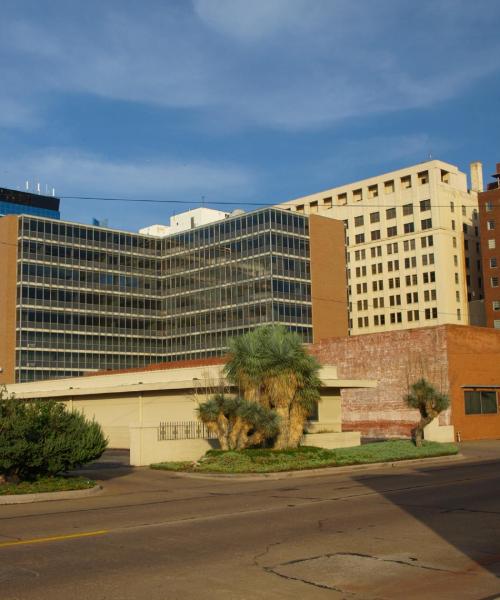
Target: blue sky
[237,101]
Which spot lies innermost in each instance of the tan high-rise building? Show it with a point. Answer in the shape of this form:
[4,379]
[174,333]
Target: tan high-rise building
[412,245]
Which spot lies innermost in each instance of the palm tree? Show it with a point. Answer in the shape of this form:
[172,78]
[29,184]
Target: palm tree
[429,402]
[237,422]
[271,366]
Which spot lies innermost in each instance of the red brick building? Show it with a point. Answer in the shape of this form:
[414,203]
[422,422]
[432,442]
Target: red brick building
[459,360]
[489,223]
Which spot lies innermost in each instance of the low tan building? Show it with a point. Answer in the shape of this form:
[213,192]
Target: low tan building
[153,411]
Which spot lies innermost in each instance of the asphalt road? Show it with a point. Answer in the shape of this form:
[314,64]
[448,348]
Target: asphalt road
[426,531]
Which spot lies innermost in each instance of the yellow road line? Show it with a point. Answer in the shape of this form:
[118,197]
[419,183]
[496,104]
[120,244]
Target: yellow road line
[55,538]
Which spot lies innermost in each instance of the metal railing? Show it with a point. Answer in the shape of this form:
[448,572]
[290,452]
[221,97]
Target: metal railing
[184,430]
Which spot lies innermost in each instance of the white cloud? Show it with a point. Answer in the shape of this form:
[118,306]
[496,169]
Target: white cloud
[79,174]
[282,64]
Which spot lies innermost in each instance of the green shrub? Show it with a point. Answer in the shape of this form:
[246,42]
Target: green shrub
[41,438]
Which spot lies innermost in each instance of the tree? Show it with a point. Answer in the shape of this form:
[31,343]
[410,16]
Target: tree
[41,438]
[429,402]
[237,422]
[271,366]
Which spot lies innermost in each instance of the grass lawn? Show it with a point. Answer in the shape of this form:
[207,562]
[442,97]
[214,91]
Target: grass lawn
[307,457]
[47,484]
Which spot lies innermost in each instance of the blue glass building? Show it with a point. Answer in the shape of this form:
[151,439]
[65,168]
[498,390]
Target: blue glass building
[13,202]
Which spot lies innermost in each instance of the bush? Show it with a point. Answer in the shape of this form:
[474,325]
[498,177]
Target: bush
[41,438]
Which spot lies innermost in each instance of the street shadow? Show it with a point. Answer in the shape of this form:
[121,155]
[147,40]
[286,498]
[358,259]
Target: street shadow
[463,510]
[112,465]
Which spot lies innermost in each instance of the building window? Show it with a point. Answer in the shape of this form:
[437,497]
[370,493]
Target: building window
[358,221]
[423,177]
[452,206]
[357,195]
[390,213]
[375,217]
[342,198]
[490,225]
[300,208]
[359,238]
[375,235]
[492,244]
[392,231]
[431,313]
[488,206]
[445,176]
[496,304]
[407,209]
[313,206]
[493,262]
[409,227]
[464,212]
[410,262]
[389,186]
[408,245]
[327,202]
[373,191]
[406,182]
[425,205]
[494,281]
[376,251]
[480,402]
[426,223]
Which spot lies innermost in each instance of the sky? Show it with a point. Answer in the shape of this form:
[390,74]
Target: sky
[231,103]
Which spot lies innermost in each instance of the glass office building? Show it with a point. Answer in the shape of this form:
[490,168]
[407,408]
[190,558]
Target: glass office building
[89,298]
[14,202]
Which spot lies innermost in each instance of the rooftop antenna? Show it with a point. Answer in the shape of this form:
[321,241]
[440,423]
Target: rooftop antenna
[27,185]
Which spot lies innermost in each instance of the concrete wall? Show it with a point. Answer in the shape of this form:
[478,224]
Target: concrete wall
[330,441]
[146,449]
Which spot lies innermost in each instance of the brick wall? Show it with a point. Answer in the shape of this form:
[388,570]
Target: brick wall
[395,359]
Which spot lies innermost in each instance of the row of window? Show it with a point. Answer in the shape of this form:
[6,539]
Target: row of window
[390,213]
[392,231]
[397,317]
[395,282]
[409,262]
[372,191]
[426,241]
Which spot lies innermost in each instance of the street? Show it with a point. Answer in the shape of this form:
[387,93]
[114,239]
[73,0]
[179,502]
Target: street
[412,531]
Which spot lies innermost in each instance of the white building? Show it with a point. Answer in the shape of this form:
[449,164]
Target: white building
[184,221]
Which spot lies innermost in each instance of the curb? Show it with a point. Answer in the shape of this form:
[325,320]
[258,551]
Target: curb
[316,472]
[49,496]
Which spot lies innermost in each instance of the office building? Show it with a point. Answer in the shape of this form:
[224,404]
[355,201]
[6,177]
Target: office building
[13,202]
[76,298]
[489,217]
[412,240]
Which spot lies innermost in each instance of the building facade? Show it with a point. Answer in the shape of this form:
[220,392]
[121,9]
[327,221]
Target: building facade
[77,298]
[489,216]
[13,202]
[412,239]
